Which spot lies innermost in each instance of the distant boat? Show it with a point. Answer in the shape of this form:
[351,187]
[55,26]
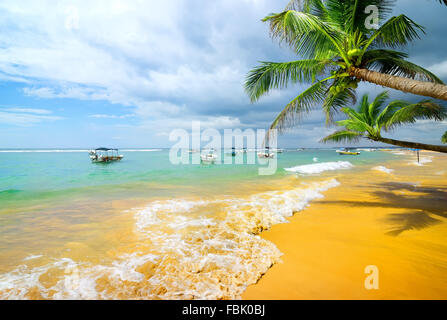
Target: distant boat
[105,155]
[208,158]
[266,154]
[347,152]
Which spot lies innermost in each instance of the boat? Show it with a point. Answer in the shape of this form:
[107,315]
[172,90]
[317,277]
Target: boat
[266,154]
[208,158]
[233,152]
[347,152]
[105,155]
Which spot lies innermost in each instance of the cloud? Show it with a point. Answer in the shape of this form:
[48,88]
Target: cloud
[110,116]
[28,110]
[160,65]
[133,52]
[25,116]
[440,69]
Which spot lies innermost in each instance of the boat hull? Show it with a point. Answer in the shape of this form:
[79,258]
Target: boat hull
[106,159]
[346,153]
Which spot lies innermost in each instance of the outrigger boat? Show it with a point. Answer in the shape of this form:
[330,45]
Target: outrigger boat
[103,155]
[347,152]
[266,154]
[208,158]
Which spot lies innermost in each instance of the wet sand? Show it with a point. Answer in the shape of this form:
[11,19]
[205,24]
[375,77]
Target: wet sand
[395,221]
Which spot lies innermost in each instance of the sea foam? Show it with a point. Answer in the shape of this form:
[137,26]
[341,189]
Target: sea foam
[383,169]
[316,168]
[187,249]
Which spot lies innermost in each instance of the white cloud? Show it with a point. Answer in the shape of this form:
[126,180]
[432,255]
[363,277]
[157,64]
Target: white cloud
[133,52]
[28,110]
[25,116]
[110,116]
[440,69]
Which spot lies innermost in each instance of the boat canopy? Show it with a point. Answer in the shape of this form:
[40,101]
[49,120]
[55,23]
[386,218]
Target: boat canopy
[105,149]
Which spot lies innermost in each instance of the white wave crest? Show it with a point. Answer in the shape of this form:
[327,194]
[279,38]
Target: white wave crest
[192,255]
[316,168]
[422,161]
[383,169]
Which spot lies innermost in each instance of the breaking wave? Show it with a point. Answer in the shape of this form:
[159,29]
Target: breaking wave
[383,169]
[186,249]
[316,168]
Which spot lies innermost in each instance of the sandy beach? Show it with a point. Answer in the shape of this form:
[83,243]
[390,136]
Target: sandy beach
[395,220]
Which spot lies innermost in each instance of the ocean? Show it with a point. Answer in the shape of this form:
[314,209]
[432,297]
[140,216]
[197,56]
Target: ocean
[144,228]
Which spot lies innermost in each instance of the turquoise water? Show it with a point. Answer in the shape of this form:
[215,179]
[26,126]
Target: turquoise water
[42,173]
[30,178]
[58,205]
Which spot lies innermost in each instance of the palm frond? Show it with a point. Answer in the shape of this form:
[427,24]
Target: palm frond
[315,7]
[425,109]
[277,75]
[376,106]
[342,136]
[397,31]
[350,15]
[364,104]
[379,54]
[298,5]
[354,125]
[335,101]
[306,34]
[303,103]
[401,68]
[386,114]
[444,136]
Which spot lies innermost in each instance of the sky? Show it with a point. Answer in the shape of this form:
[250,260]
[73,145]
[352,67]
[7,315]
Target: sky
[83,74]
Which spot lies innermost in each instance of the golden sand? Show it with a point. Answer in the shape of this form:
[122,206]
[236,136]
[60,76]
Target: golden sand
[395,221]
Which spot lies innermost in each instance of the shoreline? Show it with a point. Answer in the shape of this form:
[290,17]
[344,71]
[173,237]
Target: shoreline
[394,220]
[224,244]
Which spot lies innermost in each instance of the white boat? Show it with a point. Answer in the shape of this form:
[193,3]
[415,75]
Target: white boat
[208,158]
[105,155]
[266,154]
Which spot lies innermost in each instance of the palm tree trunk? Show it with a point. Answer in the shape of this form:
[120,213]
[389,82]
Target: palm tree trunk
[413,145]
[428,89]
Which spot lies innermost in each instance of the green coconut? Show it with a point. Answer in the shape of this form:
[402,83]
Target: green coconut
[354,53]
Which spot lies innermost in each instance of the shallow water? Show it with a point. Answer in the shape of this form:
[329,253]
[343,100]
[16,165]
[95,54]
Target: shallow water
[145,228]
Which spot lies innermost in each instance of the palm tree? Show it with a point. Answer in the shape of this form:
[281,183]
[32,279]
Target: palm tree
[444,138]
[370,119]
[339,51]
